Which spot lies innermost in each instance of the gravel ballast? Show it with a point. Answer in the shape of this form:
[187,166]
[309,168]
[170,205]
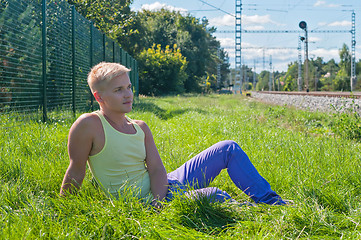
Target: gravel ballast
[310,103]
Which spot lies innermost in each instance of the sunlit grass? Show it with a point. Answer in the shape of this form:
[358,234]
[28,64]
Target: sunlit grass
[297,152]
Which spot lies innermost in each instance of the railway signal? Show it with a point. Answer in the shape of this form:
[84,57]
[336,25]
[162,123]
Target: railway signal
[303,26]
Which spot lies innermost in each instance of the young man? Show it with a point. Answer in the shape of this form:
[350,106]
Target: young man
[121,152]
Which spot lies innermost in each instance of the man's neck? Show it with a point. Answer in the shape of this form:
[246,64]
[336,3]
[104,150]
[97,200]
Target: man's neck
[117,119]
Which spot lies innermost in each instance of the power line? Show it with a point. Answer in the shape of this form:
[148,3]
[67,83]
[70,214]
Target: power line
[203,10]
[217,8]
[276,10]
[269,48]
[286,31]
[298,7]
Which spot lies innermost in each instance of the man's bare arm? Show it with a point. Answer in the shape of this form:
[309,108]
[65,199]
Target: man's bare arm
[156,170]
[79,146]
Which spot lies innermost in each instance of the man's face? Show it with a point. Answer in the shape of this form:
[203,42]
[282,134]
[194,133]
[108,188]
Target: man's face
[118,95]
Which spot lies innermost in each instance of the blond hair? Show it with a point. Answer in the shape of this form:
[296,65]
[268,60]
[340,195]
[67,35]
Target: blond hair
[103,73]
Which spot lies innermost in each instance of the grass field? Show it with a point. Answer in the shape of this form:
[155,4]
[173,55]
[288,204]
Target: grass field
[300,153]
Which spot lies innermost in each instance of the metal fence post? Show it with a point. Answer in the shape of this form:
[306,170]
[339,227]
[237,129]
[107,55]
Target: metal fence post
[113,43]
[44,77]
[126,60]
[136,79]
[91,61]
[73,58]
[121,56]
[104,49]
[132,67]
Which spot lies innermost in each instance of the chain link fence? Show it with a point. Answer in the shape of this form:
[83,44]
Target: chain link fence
[46,52]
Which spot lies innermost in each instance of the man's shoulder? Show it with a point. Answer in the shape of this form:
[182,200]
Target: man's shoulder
[87,120]
[139,122]
[142,125]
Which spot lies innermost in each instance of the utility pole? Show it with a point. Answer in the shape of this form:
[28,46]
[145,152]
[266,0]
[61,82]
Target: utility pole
[226,83]
[278,82]
[264,59]
[273,80]
[230,80]
[219,69]
[254,75]
[245,77]
[299,79]
[316,78]
[270,74]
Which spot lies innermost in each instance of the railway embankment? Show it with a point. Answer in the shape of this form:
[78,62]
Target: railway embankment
[325,103]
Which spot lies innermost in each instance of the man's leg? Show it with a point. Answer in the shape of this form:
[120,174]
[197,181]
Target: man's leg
[212,193]
[203,168]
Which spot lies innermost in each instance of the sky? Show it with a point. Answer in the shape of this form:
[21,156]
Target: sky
[266,50]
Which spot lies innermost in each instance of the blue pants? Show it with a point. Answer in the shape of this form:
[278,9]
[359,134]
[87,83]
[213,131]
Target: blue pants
[200,171]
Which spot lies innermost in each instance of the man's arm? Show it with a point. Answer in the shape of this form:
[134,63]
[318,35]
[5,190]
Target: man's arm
[156,170]
[79,146]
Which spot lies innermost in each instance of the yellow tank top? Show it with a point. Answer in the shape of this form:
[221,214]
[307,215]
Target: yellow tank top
[121,162]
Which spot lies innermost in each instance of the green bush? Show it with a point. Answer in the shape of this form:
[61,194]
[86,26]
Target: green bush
[162,71]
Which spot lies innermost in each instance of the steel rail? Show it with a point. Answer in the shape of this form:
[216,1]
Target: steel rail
[356,95]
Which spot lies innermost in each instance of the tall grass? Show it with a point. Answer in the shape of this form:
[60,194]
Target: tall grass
[298,152]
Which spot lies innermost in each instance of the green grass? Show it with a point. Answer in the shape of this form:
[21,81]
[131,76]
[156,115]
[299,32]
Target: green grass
[300,153]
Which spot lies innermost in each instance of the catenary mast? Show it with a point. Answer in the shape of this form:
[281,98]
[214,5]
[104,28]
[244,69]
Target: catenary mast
[238,59]
[353,43]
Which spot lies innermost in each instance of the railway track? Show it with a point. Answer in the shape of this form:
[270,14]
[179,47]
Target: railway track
[356,95]
[313,101]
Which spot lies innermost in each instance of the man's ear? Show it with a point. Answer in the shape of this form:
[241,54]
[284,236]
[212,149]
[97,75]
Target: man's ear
[98,97]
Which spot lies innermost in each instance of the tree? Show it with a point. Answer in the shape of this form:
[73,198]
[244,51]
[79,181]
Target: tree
[342,81]
[358,73]
[247,77]
[291,77]
[330,69]
[345,59]
[112,17]
[138,31]
[225,71]
[278,78]
[315,72]
[290,84]
[193,38]
[263,79]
